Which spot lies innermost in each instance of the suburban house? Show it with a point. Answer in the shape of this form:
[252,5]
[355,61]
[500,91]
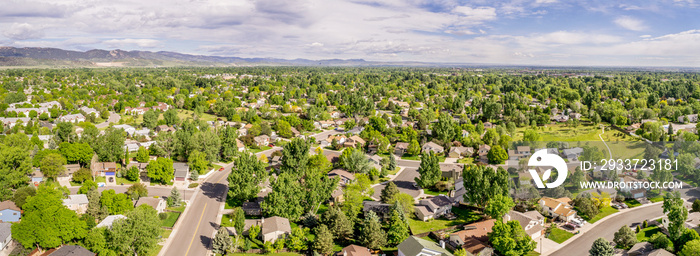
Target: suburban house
[77,203]
[558,208]
[103,168]
[451,171]
[345,176]
[12,121]
[72,250]
[240,145]
[483,152]
[459,152]
[354,250]
[381,209]
[163,128]
[433,208]
[127,128]
[354,142]
[157,203]
[531,221]
[401,148]
[414,246]
[474,238]
[75,118]
[572,153]
[37,176]
[9,212]
[89,111]
[691,118]
[274,228]
[252,208]
[432,146]
[181,171]
[68,174]
[262,140]
[376,161]
[5,235]
[647,249]
[488,125]
[109,220]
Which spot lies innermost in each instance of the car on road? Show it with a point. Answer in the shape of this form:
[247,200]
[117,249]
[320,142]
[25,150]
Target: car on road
[221,169]
[569,226]
[101,184]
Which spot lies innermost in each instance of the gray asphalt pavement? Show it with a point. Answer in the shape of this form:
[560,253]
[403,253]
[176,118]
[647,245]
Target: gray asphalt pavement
[404,181]
[582,243]
[194,235]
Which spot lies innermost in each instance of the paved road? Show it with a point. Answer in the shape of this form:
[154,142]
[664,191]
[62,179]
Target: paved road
[194,234]
[404,181]
[324,135]
[113,118]
[582,243]
[152,191]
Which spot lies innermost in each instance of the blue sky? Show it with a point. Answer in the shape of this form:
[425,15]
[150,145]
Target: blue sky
[520,32]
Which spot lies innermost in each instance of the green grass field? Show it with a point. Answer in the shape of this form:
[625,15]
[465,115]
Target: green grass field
[603,212]
[170,220]
[559,235]
[646,233]
[631,203]
[463,216]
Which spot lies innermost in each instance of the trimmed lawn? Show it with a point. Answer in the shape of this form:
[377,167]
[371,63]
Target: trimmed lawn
[125,181]
[631,203]
[656,199]
[434,193]
[270,254]
[166,233]
[532,253]
[99,179]
[170,220]
[646,233]
[156,250]
[258,150]
[603,212]
[177,209]
[410,157]
[466,160]
[464,216]
[559,235]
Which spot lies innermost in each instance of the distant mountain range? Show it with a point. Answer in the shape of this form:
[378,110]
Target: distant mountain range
[53,57]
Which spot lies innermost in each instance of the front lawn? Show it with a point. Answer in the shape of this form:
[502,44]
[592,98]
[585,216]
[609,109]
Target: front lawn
[646,233]
[631,203]
[559,235]
[464,216]
[410,157]
[603,212]
[260,149]
[434,193]
[170,220]
[125,181]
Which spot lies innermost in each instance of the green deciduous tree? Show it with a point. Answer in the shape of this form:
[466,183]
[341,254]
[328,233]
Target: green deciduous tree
[142,155]
[239,220]
[677,215]
[510,239]
[116,203]
[138,234]
[160,170]
[245,178]
[22,194]
[429,171]
[198,162]
[355,161]
[497,155]
[659,240]
[625,237]
[482,183]
[150,119]
[82,175]
[295,156]
[286,199]
[80,153]
[692,248]
[498,206]
[170,117]
[46,222]
[52,166]
[132,173]
[338,223]
[137,190]
[297,240]
[413,148]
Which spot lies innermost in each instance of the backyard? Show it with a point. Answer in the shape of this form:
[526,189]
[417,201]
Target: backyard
[464,216]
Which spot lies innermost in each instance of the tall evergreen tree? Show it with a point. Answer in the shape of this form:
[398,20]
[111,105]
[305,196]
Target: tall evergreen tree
[389,192]
[221,241]
[398,225]
[323,243]
[429,171]
[371,234]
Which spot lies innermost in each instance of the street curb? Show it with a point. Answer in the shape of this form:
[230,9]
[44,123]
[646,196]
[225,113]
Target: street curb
[592,225]
[179,222]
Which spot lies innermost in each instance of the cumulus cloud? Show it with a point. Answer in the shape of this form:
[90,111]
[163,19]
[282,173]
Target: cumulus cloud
[478,13]
[22,31]
[630,23]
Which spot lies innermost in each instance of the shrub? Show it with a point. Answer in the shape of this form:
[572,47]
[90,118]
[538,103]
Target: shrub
[163,215]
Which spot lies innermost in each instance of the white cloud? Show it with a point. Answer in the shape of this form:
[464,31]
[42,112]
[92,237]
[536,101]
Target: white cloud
[476,14]
[566,37]
[145,43]
[546,1]
[630,23]
[22,31]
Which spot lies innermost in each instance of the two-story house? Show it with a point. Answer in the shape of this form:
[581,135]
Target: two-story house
[531,221]
[558,208]
[433,208]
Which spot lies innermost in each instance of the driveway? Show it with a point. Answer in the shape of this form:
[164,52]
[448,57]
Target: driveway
[113,118]
[324,135]
[404,181]
[545,245]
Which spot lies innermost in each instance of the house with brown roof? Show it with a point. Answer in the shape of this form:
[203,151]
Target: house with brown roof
[354,141]
[459,152]
[9,212]
[433,208]
[483,152]
[345,176]
[558,208]
[262,140]
[401,148]
[474,238]
[354,250]
[163,128]
[432,146]
[157,203]
[103,168]
[274,228]
[531,221]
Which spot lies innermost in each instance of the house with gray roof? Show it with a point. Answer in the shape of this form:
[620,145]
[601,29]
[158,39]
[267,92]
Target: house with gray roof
[432,146]
[433,208]
[77,203]
[414,246]
[5,235]
[181,171]
[157,203]
[531,221]
[109,220]
[274,228]
[381,209]
[70,250]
